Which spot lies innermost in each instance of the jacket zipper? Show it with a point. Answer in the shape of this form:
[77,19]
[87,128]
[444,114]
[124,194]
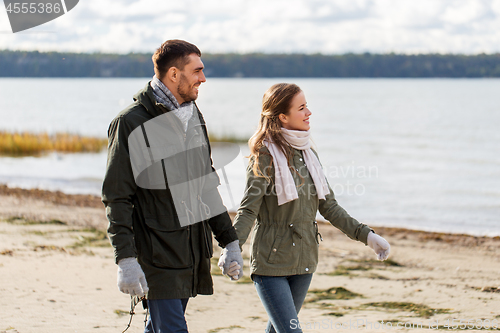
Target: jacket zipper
[179,129]
[192,259]
[204,231]
[186,145]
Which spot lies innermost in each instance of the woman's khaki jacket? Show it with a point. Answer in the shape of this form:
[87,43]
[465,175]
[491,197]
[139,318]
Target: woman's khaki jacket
[285,238]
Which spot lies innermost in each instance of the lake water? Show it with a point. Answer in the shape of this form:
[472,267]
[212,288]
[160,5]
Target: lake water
[412,153]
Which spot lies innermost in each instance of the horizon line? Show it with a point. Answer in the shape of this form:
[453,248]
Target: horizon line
[262,53]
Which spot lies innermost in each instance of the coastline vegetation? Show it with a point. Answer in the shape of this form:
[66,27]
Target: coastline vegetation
[355,65]
[25,143]
[227,138]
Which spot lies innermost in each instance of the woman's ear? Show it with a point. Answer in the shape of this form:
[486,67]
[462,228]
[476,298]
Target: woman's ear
[282,117]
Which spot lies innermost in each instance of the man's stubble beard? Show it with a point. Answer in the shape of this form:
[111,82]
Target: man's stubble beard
[184,90]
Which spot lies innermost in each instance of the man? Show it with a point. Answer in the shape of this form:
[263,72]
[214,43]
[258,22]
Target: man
[160,193]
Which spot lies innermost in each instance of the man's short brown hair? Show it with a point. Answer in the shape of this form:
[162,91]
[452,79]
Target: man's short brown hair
[173,53]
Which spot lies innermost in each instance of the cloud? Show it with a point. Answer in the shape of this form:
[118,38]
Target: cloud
[466,12]
[339,26]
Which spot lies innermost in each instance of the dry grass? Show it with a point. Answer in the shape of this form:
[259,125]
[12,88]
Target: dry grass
[19,144]
[227,138]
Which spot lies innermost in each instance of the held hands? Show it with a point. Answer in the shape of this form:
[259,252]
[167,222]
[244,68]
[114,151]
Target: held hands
[131,278]
[379,245]
[231,261]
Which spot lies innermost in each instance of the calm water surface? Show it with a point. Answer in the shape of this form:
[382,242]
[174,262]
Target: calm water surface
[413,153]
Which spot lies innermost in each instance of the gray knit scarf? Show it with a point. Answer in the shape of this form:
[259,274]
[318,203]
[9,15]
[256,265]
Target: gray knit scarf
[164,96]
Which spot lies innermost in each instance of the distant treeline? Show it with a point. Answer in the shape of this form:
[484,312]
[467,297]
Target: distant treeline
[55,64]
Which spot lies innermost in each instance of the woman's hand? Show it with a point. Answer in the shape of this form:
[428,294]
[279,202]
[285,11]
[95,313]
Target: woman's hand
[379,245]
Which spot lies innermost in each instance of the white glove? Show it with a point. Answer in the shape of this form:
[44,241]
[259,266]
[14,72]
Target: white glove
[379,245]
[131,278]
[231,262]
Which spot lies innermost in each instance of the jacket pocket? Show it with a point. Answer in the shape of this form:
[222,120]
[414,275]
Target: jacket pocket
[275,251]
[169,248]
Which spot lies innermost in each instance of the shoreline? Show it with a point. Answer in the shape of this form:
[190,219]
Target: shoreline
[93,201]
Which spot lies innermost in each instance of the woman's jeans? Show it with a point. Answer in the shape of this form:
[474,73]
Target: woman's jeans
[282,297]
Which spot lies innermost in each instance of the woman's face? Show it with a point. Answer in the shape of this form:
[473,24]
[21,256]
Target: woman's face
[298,115]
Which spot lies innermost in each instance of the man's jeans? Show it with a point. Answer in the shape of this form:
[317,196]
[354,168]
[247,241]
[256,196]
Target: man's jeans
[282,297]
[167,316]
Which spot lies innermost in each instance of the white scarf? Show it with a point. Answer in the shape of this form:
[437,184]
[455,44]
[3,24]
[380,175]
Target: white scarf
[284,184]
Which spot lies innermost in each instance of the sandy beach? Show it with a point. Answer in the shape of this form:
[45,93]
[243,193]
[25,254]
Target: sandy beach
[57,274]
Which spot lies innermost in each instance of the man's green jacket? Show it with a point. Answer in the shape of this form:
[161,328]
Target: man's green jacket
[143,223]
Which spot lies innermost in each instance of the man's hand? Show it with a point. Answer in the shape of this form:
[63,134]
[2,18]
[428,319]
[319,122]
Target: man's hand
[231,261]
[379,245]
[131,278]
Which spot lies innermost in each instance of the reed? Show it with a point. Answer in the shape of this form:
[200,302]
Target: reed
[227,138]
[25,143]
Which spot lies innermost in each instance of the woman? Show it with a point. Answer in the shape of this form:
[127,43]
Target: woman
[285,188]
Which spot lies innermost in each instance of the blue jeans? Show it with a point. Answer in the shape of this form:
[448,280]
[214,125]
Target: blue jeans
[282,297]
[167,316]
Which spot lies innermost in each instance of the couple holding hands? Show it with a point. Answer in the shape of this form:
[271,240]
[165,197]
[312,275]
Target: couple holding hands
[166,260]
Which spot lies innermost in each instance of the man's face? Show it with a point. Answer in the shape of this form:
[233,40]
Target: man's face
[191,77]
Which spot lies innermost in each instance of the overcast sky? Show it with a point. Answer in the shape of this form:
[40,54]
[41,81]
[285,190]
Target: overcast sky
[272,26]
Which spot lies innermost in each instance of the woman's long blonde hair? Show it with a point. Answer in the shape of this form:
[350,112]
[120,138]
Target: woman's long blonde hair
[276,100]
